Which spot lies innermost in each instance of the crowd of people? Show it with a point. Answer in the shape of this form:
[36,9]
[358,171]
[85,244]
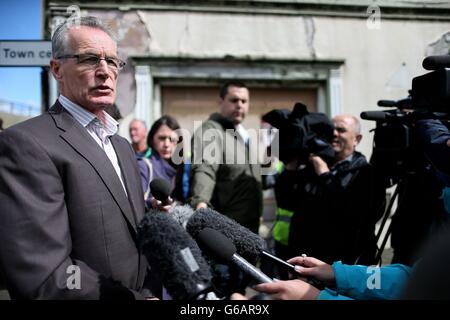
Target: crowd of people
[72,191]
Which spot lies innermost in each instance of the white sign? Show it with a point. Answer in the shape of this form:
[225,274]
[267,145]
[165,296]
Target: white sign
[15,53]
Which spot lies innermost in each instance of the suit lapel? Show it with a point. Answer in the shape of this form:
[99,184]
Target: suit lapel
[130,175]
[78,137]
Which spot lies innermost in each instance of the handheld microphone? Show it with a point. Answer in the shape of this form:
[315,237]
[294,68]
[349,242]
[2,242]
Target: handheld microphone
[223,249]
[161,190]
[170,250]
[248,244]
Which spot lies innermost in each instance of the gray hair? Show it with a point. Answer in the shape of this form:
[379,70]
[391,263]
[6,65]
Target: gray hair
[144,124]
[59,38]
[356,123]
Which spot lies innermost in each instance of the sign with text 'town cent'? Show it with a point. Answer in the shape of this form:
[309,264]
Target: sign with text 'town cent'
[24,53]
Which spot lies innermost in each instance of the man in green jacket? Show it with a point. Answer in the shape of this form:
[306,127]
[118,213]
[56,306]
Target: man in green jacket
[225,174]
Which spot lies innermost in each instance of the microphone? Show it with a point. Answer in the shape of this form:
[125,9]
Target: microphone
[436,62]
[170,250]
[247,243]
[181,214]
[161,190]
[373,115]
[223,249]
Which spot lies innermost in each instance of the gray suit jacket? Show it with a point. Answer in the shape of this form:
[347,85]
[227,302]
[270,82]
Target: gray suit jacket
[62,204]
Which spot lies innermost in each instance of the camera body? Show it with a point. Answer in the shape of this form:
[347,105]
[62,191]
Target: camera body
[431,91]
[301,133]
[395,150]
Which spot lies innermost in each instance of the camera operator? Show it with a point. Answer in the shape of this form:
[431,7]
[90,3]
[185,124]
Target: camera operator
[424,198]
[336,205]
[434,138]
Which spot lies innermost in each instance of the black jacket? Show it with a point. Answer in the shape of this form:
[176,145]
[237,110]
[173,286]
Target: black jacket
[335,213]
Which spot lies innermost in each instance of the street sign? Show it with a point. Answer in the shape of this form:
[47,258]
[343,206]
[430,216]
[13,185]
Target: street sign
[24,53]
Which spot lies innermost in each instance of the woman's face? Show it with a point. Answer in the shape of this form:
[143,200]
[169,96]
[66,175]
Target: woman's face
[164,141]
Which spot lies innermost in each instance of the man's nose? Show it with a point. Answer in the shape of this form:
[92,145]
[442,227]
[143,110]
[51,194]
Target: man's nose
[335,133]
[103,69]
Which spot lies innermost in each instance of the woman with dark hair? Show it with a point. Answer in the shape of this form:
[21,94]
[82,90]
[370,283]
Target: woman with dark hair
[163,139]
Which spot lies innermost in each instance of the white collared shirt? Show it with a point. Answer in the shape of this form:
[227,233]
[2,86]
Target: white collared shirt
[98,130]
[243,133]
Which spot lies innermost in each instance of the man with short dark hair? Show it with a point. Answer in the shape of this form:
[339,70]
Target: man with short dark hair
[228,185]
[71,200]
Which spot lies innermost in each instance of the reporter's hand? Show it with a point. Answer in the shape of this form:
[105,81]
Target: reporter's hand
[314,268]
[201,205]
[292,165]
[238,296]
[289,290]
[159,206]
[320,166]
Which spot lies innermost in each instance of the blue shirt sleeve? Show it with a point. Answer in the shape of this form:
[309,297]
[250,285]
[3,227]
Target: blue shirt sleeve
[328,294]
[370,283]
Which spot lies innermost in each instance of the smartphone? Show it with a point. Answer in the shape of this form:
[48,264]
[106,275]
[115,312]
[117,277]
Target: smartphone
[291,268]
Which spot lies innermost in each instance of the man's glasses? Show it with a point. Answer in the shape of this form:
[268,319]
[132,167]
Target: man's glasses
[93,61]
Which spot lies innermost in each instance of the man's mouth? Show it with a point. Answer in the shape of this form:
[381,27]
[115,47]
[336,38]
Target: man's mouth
[103,89]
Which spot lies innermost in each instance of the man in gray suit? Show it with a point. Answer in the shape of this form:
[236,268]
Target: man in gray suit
[70,192]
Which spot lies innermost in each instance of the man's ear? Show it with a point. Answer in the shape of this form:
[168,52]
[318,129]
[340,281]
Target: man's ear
[220,104]
[358,138]
[55,67]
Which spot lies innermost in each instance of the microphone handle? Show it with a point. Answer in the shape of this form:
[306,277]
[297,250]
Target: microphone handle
[205,293]
[251,269]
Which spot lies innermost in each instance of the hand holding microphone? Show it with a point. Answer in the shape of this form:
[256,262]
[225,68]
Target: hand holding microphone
[161,190]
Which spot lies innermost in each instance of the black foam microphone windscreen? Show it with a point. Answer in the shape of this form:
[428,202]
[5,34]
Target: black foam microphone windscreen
[181,214]
[223,250]
[248,244]
[169,249]
[161,189]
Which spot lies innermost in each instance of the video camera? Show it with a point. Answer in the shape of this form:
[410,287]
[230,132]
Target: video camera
[301,133]
[395,151]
